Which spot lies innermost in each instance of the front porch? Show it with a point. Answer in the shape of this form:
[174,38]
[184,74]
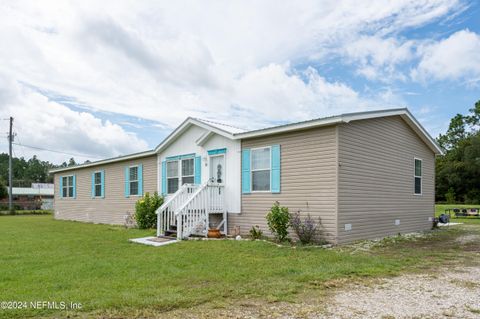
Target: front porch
[190,211]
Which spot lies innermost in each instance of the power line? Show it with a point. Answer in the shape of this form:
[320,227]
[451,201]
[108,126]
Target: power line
[55,151]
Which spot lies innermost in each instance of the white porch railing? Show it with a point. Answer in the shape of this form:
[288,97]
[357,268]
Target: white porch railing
[189,209]
[166,213]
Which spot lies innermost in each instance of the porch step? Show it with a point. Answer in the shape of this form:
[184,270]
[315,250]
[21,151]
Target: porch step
[171,233]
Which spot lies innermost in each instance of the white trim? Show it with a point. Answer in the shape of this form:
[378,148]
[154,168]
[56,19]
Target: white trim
[344,118]
[105,161]
[263,169]
[63,186]
[204,138]
[184,126]
[418,176]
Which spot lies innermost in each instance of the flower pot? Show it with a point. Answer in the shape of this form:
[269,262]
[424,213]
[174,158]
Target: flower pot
[214,233]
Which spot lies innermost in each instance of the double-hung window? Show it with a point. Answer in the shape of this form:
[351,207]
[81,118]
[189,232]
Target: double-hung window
[97,184]
[172,176]
[179,172]
[260,163]
[133,180]
[418,177]
[67,186]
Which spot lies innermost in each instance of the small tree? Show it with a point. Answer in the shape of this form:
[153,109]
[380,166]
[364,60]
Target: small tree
[145,209]
[278,220]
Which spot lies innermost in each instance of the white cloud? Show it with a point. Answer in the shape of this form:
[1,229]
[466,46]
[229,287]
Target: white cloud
[377,58]
[165,61]
[50,125]
[454,58]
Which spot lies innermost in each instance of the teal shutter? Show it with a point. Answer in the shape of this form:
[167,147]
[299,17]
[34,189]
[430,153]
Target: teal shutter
[93,185]
[246,184]
[198,170]
[74,186]
[140,180]
[275,169]
[164,178]
[127,181]
[103,183]
[61,186]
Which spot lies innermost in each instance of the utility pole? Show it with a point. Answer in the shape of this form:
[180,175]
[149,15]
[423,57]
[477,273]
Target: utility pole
[10,172]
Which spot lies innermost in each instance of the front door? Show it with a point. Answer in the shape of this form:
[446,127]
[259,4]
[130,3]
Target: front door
[217,169]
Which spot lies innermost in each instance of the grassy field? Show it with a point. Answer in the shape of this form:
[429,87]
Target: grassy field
[440,209]
[47,260]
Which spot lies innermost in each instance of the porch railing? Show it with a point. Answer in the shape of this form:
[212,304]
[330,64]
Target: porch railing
[189,209]
[166,213]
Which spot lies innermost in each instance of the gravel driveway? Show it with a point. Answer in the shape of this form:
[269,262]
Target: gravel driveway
[452,294]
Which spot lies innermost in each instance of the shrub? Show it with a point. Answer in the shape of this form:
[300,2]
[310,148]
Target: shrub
[256,232]
[278,220]
[307,230]
[145,210]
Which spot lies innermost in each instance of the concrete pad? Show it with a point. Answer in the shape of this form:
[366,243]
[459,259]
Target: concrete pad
[154,241]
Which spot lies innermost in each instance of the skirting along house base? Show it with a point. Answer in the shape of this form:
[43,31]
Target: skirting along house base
[362,175]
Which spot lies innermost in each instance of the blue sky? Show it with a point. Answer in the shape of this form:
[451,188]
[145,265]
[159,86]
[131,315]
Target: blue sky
[111,78]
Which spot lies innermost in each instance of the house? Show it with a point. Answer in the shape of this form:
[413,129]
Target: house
[363,175]
[38,196]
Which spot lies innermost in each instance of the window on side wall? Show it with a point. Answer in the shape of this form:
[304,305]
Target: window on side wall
[133,180]
[260,169]
[98,184]
[67,186]
[418,177]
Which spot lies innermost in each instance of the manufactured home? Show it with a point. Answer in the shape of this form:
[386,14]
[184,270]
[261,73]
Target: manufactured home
[361,175]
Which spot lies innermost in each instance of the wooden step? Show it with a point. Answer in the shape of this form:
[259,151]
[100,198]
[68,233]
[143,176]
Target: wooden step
[171,233]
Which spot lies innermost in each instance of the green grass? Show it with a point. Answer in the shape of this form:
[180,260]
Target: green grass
[47,260]
[440,209]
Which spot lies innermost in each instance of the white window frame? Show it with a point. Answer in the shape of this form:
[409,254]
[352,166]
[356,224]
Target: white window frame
[415,176]
[95,184]
[179,176]
[67,186]
[130,182]
[263,169]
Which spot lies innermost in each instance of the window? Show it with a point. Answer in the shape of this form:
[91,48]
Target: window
[172,176]
[133,178]
[418,177]
[261,169]
[187,171]
[180,172]
[67,186]
[97,184]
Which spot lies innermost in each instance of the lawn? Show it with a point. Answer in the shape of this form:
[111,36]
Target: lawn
[47,260]
[440,209]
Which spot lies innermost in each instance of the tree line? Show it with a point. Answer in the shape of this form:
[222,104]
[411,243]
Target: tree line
[27,171]
[458,171]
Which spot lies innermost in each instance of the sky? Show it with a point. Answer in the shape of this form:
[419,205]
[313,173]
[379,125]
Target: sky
[96,79]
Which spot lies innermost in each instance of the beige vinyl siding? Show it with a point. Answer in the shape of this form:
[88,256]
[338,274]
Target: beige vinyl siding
[111,209]
[376,179]
[308,180]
